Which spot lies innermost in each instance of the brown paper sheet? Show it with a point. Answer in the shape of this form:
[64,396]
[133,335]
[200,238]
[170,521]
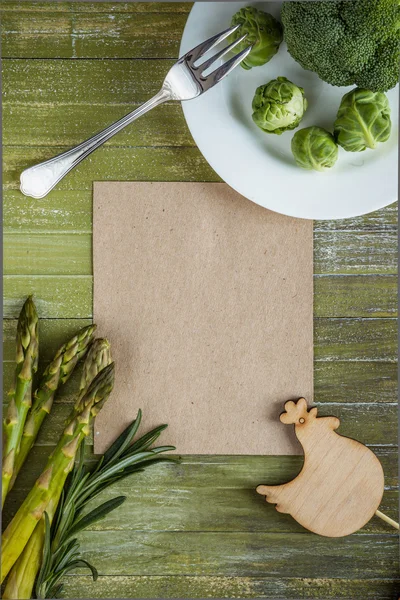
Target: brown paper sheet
[207,300]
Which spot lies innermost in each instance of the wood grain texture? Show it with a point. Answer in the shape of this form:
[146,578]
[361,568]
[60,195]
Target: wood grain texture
[340,486]
[81,35]
[54,295]
[355,339]
[59,82]
[68,125]
[94,7]
[366,381]
[59,212]
[384,219]
[252,553]
[232,587]
[66,93]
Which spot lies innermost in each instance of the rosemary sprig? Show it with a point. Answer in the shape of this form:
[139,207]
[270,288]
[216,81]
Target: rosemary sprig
[61,552]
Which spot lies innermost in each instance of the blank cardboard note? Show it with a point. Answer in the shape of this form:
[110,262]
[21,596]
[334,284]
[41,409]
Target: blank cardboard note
[207,300]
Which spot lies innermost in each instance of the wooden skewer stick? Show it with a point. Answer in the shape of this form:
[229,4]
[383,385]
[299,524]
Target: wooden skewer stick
[387,519]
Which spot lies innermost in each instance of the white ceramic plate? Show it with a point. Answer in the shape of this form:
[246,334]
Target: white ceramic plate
[260,166]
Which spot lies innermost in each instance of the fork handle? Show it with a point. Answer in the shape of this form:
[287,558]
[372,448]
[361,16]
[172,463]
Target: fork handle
[37,181]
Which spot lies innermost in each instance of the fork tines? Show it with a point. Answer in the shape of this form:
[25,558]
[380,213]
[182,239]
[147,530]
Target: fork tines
[199,51]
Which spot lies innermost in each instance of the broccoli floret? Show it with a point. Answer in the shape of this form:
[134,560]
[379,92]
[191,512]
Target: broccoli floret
[346,41]
[380,74]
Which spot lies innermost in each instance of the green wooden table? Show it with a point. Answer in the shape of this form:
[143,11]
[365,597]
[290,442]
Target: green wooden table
[194,529]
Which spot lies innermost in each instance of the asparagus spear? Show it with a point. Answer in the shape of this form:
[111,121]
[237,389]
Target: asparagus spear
[56,373]
[60,463]
[98,357]
[27,345]
[23,574]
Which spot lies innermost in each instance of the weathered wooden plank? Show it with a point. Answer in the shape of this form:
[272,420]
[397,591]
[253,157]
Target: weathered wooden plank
[335,339]
[55,297]
[15,6]
[47,254]
[355,339]
[249,554]
[88,82]
[113,164]
[71,254]
[68,125]
[59,212]
[372,423]
[355,381]
[95,7]
[273,588]
[65,296]
[228,510]
[28,34]
[370,253]
[128,35]
[355,296]
[381,220]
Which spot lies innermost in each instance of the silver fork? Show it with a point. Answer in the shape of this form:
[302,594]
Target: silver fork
[184,81]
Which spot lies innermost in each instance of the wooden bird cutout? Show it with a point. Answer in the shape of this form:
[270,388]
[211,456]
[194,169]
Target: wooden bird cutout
[341,483]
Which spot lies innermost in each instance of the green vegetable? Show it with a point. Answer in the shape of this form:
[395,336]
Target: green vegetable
[124,457]
[27,349]
[314,148]
[23,574]
[278,106]
[50,483]
[363,120]
[262,30]
[56,374]
[346,42]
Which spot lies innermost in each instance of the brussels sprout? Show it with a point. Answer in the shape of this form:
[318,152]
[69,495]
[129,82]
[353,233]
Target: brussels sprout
[363,120]
[278,106]
[262,30]
[314,148]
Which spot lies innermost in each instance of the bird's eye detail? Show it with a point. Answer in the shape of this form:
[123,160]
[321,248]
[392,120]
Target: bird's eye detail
[301,420]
